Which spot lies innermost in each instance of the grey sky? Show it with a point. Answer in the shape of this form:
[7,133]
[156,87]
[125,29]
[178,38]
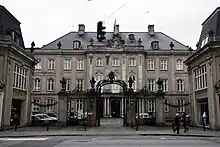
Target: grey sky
[43,21]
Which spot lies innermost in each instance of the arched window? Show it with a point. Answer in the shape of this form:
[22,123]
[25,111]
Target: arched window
[76,44]
[39,64]
[50,84]
[114,87]
[79,106]
[134,85]
[99,62]
[37,84]
[179,64]
[115,62]
[99,77]
[131,62]
[155,45]
[35,106]
[50,105]
[180,85]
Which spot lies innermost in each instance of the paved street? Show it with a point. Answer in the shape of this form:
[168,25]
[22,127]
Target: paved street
[110,141]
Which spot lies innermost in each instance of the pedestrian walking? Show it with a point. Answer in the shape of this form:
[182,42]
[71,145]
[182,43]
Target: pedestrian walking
[188,122]
[184,122]
[176,126]
[204,121]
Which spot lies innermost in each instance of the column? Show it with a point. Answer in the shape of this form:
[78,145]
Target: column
[140,106]
[142,103]
[108,110]
[160,117]
[105,107]
[122,107]
[62,109]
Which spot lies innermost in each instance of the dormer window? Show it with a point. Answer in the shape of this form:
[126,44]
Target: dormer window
[155,45]
[76,44]
[131,37]
[205,41]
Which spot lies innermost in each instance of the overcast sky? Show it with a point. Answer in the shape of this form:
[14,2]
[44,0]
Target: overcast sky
[43,21]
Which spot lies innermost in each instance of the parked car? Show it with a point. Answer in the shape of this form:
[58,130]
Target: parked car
[37,120]
[51,114]
[47,118]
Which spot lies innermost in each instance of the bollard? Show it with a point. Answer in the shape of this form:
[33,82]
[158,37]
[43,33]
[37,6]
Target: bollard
[47,125]
[16,127]
[85,125]
[137,125]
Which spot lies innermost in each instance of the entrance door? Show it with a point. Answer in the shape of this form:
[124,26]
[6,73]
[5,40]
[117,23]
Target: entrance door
[115,108]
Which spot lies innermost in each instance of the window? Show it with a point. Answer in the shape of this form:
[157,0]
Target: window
[67,85]
[38,66]
[151,85]
[35,105]
[99,77]
[205,41]
[50,105]
[150,65]
[181,107]
[134,85]
[163,64]
[165,85]
[151,106]
[115,88]
[19,77]
[79,106]
[99,62]
[76,44]
[180,85]
[166,107]
[179,65]
[155,45]
[37,85]
[51,64]
[80,64]
[200,78]
[67,64]
[131,62]
[79,84]
[50,85]
[115,62]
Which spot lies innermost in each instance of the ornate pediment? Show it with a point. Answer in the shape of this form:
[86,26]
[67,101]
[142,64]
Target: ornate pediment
[115,42]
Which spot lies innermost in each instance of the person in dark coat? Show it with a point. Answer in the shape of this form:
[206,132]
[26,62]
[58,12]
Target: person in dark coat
[176,126]
[184,122]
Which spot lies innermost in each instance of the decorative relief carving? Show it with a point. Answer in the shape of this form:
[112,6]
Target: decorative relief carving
[115,42]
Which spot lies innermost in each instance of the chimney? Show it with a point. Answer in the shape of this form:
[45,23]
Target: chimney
[116,29]
[81,30]
[151,30]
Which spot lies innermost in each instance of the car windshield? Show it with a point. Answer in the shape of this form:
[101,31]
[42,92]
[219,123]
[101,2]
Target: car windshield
[46,116]
[41,117]
[51,115]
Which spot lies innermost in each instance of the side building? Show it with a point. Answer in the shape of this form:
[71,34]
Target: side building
[16,70]
[78,56]
[204,74]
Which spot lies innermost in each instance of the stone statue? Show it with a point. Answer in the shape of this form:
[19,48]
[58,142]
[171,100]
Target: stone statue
[160,84]
[63,84]
[92,82]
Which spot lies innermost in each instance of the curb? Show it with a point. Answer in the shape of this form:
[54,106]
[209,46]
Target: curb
[48,135]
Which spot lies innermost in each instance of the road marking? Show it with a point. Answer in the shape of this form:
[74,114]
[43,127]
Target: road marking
[23,139]
[163,138]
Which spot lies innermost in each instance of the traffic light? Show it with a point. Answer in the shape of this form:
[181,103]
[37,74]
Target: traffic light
[100,32]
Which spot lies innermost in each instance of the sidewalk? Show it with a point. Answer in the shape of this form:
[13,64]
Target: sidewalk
[102,131]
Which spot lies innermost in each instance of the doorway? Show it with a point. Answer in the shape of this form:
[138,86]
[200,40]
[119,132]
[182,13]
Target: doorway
[115,108]
[15,110]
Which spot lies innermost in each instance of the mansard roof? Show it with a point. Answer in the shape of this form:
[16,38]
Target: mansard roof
[164,40]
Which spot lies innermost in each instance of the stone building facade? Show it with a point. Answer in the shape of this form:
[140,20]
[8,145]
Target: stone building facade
[146,56]
[204,74]
[16,66]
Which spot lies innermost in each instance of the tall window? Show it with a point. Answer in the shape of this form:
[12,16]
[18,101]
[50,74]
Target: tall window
[163,64]
[79,106]
[201,78]
[35,105]
[98,78]
[80,64]
[150,65]
[67,64]
[115,87]
[165,85]
[76,44]
[134,85]
[151,84]
[151,106]
[79,84]
[50,105]
[50,85]
[166,107]
[155,45]
[38,66]
[179,64]
[115,62]
[180,85]
[99,62]
[36,85]
[181,107]
[51,64]
[19,77]
[68,85]
[132,62]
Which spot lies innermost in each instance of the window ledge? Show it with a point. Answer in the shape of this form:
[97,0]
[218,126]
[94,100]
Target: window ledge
[99,65]
[150,69]
[201,89]
[79,69]
[163,70]
[67,69]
